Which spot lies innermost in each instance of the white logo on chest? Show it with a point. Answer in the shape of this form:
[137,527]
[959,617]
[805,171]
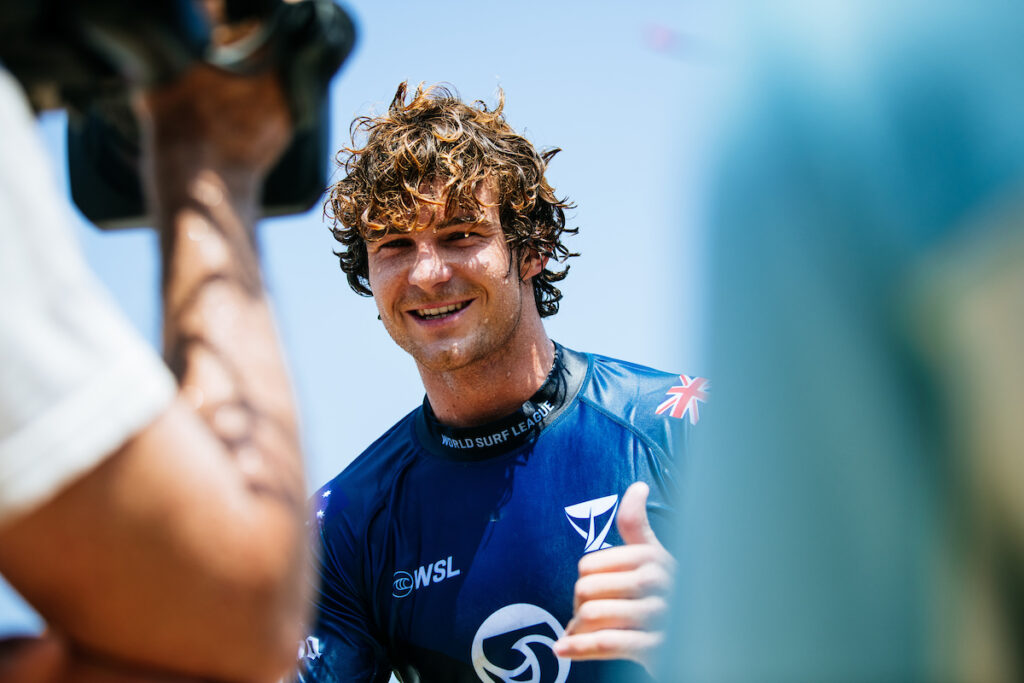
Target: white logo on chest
[587,516]
[514,645]
[310,649]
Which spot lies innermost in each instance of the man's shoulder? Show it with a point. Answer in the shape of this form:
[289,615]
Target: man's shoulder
[661,404]
[621,383]
[628,371]
[357,489]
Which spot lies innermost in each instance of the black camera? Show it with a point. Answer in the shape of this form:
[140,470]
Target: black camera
[86,54]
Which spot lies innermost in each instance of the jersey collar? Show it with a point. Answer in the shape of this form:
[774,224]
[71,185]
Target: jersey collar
[512,431]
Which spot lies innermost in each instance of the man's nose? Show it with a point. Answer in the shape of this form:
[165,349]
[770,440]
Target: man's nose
[430,268]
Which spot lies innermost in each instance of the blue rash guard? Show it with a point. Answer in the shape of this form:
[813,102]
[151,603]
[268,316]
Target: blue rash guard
[450,555]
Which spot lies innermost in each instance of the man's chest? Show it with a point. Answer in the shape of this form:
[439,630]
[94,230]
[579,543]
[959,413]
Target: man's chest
[480,560]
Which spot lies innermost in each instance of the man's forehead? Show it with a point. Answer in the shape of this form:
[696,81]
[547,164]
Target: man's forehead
[431,213]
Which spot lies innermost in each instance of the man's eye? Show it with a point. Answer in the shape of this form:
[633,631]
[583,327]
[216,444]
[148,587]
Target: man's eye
[462,235]
[394,244]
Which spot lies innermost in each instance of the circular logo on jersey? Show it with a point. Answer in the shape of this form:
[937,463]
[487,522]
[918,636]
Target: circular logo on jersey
[402,584]
[514,645]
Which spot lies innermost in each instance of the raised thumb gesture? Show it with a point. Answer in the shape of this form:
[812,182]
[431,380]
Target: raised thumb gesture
[620,596]
[632,517]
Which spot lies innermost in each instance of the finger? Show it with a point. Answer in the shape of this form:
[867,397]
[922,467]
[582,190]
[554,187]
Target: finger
[632,516]
[651,579]
[610,644]
[596,615]
[623,558]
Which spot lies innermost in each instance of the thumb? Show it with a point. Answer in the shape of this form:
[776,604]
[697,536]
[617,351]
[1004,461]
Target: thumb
[632,516]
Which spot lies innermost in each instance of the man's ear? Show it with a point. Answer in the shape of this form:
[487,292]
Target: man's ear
[532,265]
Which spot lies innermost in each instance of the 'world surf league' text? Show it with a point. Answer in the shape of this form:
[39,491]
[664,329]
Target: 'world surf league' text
[499,437]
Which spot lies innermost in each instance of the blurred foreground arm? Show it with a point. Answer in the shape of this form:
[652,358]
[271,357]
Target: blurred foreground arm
[51,659]
[184,550]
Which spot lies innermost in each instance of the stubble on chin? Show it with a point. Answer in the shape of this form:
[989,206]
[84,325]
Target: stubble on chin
[440,358]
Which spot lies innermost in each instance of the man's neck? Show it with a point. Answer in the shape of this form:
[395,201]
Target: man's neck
[492,387]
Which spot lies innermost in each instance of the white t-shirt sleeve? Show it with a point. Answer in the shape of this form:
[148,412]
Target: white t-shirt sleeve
[76,380]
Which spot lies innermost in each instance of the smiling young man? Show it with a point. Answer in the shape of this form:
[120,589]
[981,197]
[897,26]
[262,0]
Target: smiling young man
[463,544]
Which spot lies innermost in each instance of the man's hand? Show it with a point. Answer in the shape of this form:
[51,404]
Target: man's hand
[620,597]
[214,119]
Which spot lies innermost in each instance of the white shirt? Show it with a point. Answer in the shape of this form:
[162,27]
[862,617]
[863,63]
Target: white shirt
[76,380]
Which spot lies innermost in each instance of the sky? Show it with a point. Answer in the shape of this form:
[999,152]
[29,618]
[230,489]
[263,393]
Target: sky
[626,90]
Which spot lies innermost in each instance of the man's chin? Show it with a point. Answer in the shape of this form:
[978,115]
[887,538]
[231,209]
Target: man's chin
[446,357]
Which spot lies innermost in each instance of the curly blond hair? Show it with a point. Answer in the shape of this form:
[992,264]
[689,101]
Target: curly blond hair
[437,137]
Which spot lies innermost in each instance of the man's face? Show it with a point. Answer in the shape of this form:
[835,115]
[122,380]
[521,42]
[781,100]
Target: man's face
[445,291]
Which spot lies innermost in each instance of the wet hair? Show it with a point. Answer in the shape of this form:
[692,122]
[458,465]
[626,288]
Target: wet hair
[436,137]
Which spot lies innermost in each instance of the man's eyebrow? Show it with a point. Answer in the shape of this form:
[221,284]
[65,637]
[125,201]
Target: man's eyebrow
[390,231]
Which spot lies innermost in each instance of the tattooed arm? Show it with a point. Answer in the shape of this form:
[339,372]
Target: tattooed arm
[184,550]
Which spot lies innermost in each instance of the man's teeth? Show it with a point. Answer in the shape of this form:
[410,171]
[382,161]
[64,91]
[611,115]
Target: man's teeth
[431,313]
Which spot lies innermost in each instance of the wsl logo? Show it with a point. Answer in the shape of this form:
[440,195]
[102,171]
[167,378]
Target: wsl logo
[403,583]
[515,645]
[589,521]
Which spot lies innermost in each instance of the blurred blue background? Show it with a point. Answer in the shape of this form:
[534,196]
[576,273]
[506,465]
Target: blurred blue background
[625,89]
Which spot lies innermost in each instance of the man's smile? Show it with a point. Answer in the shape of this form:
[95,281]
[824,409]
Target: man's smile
[441,311]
